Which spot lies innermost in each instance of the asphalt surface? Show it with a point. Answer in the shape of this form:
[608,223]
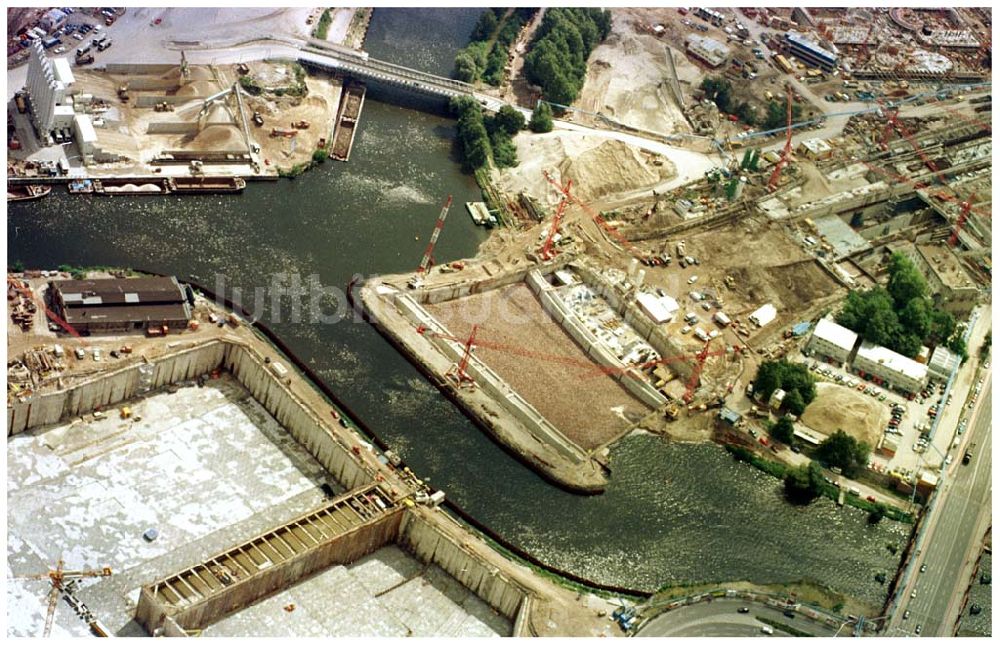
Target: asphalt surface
[961,515]
[721,619]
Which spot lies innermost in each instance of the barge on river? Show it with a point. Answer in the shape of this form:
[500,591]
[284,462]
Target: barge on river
[17,192]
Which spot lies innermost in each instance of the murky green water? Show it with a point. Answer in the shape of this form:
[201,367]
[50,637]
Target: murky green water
[672,512]
[981,594]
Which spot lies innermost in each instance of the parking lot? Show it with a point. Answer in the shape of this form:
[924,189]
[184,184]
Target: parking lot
[909,421]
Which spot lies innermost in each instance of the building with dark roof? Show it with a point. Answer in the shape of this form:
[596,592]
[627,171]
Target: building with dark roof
[121,305]
[810,52]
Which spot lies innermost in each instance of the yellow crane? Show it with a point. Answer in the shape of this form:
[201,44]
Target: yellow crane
[60,578]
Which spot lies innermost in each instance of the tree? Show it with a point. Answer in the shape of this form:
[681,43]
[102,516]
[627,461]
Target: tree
[465,67]
[504,151]
[802,483]
[915,317]
[794,403]
[877,513]
[718,90]
[942,327]
[319,156]
[485,26]
[957,345]
[783,430]
[541,118]
[905,280]
[509,119]
[557,61]
[843,451]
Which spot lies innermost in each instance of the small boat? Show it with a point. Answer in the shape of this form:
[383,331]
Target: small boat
[27,192]
[81,186]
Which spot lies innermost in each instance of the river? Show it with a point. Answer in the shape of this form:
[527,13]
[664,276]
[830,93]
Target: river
[672,512]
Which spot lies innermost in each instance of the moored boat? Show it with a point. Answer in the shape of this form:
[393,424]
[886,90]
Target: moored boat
[16,192]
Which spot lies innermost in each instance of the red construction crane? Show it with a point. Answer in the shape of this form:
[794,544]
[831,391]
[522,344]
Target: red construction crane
[699,364]
[960,223]
[426,262]
[772,183]
[895,123]
[58,577]
[596,217]
[588,368]
[27,293]
[458,373]
[546,252]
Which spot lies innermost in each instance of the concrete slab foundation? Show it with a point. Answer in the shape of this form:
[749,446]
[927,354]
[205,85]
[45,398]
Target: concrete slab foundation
[386,594]
[204,466]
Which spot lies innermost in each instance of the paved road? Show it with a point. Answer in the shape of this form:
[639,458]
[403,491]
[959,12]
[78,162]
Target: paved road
[959,519]
[720,618]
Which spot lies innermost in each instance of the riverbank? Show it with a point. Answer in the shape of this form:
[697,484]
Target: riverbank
[832,492]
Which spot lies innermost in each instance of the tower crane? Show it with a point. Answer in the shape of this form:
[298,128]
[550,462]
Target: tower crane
[546,252]
[597,218]
[772,183]
[62,583]
[27,293]
[427,260]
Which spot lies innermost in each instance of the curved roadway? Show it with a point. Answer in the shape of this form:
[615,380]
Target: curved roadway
[720,618]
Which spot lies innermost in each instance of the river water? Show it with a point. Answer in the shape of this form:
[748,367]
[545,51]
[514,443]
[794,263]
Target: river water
[673,512]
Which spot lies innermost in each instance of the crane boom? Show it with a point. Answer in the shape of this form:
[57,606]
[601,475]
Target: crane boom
[425,262]
[546,251]
[28,294]
[772,183]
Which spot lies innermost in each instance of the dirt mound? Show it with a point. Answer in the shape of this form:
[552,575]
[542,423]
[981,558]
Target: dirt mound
[839,407]
[219,138]
[597,166]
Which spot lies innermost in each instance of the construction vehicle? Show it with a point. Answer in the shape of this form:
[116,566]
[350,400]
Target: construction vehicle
[196,167]
[301,124]
[85,60]
[321,144]
[772,182]
[281,132]
[257,119]
[19,100]
[122,89]
[242,69]
[163,106]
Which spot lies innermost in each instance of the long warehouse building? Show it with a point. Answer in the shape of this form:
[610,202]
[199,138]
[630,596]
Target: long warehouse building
[121,305]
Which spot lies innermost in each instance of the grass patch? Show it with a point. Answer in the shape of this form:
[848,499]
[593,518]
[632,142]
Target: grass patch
[294,171]
[323,25]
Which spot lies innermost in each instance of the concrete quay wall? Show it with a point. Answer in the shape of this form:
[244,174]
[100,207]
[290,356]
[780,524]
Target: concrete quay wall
[432,543]
[556,309]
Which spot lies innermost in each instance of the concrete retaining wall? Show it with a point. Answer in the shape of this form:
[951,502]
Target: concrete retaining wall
[172,128]
[633,315]
[342,549]
[116,386]
[491,383]
[150,100]
[140,68]
[151,83]
[248,367]
[431,543]
[594,349]
[460,289]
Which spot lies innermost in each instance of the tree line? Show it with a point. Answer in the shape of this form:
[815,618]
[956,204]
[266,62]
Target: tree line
[557,62]
[775,115]
[483,137]
[901,316]
[485,57]
[794,379]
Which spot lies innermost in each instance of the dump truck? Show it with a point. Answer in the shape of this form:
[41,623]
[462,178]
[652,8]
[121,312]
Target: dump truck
[122,89]
[257,119]
[280,132]
[301,124]
[85,60]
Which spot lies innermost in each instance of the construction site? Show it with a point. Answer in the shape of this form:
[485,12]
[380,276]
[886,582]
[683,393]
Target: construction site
[656,295]
[108,537]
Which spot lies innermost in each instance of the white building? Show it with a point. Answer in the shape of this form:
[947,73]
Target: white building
[943,363]
[707,50]
[831,340]
[659,309]
[49,85]
[890,368]
[52,20]
[764,315]
[86,136]
[815,148]
[777,398]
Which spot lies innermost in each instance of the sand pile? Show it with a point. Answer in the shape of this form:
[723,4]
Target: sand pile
[839,407]
[597,166]
[218,138]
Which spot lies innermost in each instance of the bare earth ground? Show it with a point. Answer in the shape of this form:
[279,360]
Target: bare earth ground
[839,407]
[625,77]
[599,167]
[589,409]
